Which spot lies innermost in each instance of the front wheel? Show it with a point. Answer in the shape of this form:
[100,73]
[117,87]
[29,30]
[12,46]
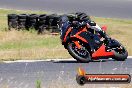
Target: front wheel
[81,55]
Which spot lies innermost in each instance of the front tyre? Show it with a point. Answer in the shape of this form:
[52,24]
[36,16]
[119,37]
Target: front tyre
[81,55]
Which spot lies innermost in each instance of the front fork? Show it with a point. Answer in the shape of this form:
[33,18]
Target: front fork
[77,44]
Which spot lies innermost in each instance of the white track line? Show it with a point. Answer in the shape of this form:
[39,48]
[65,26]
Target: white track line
[71,59]
[55,60]
[129,57]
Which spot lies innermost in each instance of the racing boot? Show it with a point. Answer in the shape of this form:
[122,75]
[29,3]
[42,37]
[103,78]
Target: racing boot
[107,40]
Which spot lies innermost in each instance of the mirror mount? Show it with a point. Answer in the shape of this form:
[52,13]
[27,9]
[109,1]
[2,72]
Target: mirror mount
[104,27]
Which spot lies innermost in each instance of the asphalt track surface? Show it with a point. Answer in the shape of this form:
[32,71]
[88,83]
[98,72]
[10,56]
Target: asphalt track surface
[55,74]
[101,8]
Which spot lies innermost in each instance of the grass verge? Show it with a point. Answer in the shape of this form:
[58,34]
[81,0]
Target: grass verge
[28,45]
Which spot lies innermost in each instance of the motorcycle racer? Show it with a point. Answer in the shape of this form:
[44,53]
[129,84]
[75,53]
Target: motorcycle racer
[86,41]
[81,19]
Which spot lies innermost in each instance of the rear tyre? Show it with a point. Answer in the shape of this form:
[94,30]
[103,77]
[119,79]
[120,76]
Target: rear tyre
[121,56]
[81,55]
[120,53]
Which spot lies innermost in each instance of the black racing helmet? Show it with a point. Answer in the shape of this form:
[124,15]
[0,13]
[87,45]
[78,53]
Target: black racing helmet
[81,16]
[71,17]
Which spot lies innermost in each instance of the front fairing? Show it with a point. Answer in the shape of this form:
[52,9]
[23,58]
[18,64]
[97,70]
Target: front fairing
[64,29]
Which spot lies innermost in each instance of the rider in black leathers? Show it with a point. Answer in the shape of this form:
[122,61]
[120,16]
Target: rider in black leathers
[80,19]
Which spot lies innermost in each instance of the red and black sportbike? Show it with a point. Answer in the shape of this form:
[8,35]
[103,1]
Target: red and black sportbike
[85,46]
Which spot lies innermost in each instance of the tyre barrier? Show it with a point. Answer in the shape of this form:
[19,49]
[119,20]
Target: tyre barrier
[12,21]
[40,22]
[55,24]
[31,21]
[22,18]
[41,25]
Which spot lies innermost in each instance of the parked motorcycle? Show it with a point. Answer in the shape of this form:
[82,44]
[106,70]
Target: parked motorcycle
[85,46]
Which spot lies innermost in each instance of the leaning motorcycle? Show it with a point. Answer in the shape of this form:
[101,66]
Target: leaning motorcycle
[85,46]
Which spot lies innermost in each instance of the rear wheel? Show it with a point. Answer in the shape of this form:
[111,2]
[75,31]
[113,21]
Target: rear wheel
[120,52]
[81,55]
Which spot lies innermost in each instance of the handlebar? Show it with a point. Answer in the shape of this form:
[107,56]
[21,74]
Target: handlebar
[78,24]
